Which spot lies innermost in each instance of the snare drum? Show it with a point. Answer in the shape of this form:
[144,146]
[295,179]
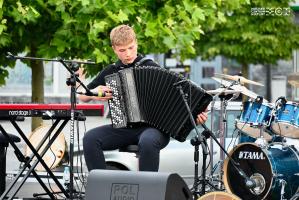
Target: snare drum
[269,168]
[286,121]
[219,195]
[254,117]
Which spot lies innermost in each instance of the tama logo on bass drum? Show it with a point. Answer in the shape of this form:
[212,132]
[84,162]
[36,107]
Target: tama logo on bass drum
[249,155]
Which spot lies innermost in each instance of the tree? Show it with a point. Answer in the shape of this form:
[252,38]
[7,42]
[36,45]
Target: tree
[24,28]
[80,29]
[261,32]
[162,24]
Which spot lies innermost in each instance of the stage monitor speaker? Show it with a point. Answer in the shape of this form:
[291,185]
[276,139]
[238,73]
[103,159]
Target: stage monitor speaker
[129,185]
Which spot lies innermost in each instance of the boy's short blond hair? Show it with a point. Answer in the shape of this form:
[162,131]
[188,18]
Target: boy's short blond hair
[122,35]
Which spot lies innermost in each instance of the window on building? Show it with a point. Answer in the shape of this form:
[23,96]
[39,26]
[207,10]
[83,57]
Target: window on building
[208,86]
[208,72]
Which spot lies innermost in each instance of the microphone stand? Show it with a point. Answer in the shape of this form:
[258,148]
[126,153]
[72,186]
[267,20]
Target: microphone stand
[199,139]
[72,66]
[71,82]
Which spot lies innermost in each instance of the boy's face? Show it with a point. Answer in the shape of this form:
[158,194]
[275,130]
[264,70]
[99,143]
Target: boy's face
[126,53]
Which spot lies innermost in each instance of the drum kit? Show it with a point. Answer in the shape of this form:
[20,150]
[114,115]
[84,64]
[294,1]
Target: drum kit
[268,152]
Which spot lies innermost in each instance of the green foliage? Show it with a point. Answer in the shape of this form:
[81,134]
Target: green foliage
[250,38]
[80,29]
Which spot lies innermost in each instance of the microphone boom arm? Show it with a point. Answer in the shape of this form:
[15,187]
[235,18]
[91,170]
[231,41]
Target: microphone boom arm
[248,181]
[62,61]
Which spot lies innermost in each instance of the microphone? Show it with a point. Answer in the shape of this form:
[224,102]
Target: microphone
[250,183]
[93,94]
[259,99]
[180,82]
[281,101]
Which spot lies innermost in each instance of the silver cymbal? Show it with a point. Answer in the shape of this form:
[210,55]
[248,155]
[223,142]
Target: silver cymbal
[294,83]
[223,82]
[240,79]
[238,87]
[293,79]
[224,91]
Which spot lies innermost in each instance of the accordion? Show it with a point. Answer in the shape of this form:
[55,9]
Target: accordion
[147,96]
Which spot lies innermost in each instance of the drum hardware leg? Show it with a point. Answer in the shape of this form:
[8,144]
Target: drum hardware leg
[217,177]
[216,166]
[282,191]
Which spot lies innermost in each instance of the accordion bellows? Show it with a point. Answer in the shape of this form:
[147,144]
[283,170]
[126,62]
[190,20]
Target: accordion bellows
[147,96]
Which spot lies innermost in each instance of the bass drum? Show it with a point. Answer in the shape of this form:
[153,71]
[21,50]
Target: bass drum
[55,155]
[268,168]
[245,138]
[219,196]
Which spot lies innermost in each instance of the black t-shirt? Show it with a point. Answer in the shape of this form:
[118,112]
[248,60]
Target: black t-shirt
[115,67]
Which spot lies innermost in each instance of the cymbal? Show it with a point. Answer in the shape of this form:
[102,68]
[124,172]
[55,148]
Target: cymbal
[223,82]
[293,79]
[241,88]
[294,83]
[240,79]
[224,91]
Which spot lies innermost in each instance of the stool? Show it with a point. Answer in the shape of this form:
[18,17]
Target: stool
[3,145]
[132,148]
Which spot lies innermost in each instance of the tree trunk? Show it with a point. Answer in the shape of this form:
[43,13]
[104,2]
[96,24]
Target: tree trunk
[268,82]
[37,85]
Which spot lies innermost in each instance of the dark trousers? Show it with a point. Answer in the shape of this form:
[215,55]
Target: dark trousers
[150,141]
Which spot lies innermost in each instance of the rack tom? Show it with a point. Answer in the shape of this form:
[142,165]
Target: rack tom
[286,121]
[254,117]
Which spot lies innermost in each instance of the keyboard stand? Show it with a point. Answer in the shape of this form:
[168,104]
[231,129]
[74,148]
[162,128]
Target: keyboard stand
[27,160]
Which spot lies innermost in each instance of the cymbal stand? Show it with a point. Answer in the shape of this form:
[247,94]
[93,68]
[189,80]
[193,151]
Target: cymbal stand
[222,134]
[72,68]
[224,99]
[211,141]
[222,125]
